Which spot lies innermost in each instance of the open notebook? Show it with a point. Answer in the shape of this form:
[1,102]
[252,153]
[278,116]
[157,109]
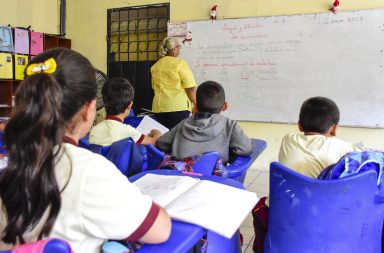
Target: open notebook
[216,207]
[147,124]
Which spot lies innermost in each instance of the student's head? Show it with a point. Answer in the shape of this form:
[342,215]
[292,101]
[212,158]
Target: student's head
[170,46]
[210,97]
[118,95]
[56,96]
[318,115]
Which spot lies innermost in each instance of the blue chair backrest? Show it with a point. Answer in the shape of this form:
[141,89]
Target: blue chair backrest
[236,170]
[311,215]
[126,156]
[51,246]
[206,164]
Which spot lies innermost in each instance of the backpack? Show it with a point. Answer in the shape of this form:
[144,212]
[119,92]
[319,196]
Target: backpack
[356,162]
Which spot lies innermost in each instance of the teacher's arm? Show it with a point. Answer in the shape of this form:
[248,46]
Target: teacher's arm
[191,93]
[188,81]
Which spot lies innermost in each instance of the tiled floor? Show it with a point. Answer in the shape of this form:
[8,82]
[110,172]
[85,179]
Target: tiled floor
[256,181]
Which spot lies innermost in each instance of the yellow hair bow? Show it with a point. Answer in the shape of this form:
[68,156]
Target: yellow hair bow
[48,67]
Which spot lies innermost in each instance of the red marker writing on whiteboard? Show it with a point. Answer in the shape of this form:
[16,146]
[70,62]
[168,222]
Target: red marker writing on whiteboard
[335,6]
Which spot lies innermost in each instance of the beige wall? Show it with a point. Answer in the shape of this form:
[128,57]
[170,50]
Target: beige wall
[42,15]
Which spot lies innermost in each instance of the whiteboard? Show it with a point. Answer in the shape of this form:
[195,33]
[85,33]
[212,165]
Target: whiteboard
[270,65]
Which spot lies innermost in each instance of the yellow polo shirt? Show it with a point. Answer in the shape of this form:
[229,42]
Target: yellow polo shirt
[170,77]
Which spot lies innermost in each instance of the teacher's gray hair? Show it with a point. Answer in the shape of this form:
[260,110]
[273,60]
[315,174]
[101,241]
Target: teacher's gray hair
[168,44]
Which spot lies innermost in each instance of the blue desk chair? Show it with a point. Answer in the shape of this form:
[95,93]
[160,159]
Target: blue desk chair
[154,157]
[239,167]
[126,156]
[236,170]
[205,165]
[310,215]
[178,242]
[51,246]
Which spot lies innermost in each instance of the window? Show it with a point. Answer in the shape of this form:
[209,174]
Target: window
[135,33]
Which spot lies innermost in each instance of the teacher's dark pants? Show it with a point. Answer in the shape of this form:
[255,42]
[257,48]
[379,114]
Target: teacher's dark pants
[171,119]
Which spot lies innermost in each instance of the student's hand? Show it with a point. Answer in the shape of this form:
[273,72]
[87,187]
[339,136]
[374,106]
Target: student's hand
[154,133]
[2,126]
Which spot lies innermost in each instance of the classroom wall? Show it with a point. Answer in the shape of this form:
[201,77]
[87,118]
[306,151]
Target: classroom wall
[42,15]
[87,27]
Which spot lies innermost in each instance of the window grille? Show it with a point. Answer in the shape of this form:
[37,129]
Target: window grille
[135,33]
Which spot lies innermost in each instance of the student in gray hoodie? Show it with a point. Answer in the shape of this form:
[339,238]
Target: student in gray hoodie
[206,130]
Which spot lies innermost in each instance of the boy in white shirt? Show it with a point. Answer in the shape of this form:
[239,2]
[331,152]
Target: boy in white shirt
[317,147]
[118,96]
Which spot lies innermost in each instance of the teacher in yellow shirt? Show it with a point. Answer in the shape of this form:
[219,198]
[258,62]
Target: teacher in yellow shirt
[173,84]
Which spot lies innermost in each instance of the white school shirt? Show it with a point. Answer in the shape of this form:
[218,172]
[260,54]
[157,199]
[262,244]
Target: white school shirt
[110,130]
[311,154]
[98,203]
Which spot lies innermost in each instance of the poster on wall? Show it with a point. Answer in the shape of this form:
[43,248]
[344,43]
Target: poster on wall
[21,41]
[6,40]
[21,62]
[36,43]
[177,29]
[6,66]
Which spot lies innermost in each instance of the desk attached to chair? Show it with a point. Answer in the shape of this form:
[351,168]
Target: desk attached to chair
[184,236]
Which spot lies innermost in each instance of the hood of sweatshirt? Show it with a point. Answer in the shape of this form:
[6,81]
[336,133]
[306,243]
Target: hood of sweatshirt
[203,127]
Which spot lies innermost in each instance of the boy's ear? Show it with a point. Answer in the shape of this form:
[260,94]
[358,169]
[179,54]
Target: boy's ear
[332,130]
[225,106]
[130,105]
[300,126]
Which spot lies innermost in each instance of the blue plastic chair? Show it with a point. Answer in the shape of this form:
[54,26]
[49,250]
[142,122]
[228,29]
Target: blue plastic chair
[126,156]
[98,149]
[309,215]
[154,157]
[236,170]
[205,165]
[52,246]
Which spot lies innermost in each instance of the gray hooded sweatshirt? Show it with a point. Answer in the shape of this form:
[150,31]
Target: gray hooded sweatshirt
[204,132]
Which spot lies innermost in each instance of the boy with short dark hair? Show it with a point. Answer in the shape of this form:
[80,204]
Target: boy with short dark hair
[317,148]
[206,130]
[118,96]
